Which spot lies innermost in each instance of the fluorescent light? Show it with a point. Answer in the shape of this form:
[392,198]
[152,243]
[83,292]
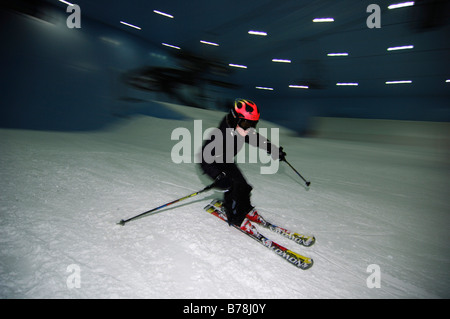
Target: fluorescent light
[347,84]
[404,47]
[401,5]
[163,14]
[447,81]
[237,66]
[171,46]
[130,25]
[399,82]
[337,54]
[299,86]
[264,88]
[66,2]
[323,20]
[281,60]
[209,43]
[257,32]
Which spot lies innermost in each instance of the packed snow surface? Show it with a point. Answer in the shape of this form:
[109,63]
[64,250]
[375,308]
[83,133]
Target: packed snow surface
[370,203]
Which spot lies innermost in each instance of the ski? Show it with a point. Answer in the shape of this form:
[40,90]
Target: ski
[300,239]
[295,259]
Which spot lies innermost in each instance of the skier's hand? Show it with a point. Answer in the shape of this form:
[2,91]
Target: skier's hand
[222,181]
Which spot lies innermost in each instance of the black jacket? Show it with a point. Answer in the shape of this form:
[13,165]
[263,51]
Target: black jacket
[215,152]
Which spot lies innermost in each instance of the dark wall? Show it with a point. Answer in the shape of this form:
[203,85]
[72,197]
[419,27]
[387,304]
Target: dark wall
[57,78]
[296,113]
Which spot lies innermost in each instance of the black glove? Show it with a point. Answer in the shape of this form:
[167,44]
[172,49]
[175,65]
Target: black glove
[281,154]
[222,181]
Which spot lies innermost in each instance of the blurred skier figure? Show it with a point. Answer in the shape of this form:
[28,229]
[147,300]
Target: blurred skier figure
[236,128]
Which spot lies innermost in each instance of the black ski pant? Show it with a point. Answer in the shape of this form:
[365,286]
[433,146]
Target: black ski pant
[237,198]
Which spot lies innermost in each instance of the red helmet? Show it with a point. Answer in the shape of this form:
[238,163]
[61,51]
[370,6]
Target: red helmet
[245,109]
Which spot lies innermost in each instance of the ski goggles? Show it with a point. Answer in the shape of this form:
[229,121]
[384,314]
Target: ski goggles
[246,124]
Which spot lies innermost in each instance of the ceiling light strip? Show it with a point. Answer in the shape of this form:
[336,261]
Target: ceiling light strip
[264,88]
[66,2]
[209,43]
[130,25]
[347,84]
[293,86]
[163,14]
[399,82]
[403,47]
[338,54]
[401,5]
[171,46]
[262,33]
[237,66]
[281,60]
[323,20]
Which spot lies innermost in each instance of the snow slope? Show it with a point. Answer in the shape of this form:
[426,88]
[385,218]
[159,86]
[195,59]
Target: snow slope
[61,195]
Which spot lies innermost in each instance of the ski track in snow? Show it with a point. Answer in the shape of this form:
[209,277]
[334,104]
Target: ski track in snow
[62,194]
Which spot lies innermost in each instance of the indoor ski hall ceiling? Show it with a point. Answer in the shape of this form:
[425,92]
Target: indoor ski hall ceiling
[286,49]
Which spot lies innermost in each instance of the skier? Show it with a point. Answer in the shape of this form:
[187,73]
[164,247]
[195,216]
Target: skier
[237,127]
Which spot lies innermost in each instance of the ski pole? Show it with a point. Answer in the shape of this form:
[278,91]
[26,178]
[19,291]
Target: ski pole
[124,221]
[306,182]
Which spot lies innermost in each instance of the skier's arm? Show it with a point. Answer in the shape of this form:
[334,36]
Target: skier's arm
[263,143]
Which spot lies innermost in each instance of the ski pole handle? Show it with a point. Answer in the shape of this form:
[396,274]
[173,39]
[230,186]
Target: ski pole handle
[306,182]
